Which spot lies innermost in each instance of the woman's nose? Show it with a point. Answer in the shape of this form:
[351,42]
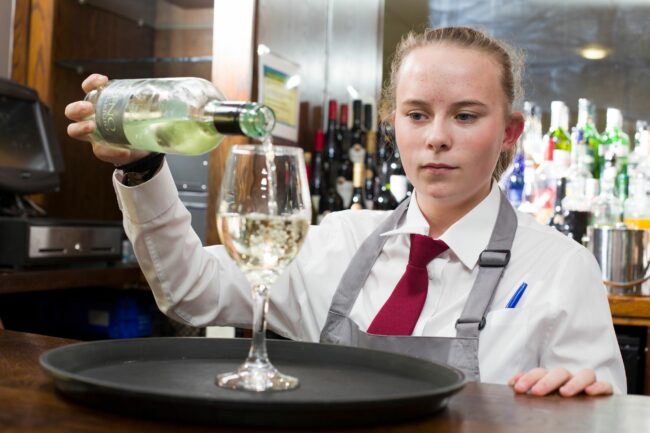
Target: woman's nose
[438,136]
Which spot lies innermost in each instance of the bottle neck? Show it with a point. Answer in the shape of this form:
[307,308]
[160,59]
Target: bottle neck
[357,175]
[241,118]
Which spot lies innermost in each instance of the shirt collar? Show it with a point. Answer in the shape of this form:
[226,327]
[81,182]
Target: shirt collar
[467,237]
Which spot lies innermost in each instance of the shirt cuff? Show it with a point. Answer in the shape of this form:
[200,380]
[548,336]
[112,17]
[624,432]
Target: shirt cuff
[147,201]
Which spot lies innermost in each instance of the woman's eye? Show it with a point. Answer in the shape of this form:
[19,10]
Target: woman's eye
[416,116]
[465,117]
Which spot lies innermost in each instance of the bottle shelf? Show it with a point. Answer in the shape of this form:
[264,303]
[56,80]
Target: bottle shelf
[82,66]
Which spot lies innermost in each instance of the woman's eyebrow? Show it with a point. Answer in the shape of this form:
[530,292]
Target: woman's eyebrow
[469,103]
[413,102]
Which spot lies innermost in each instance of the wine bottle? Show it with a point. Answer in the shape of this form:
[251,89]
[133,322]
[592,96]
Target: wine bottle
[187,116]
[356,131]
[371,168]
[317,185]
[385,200]
[344,180]
[398,181]
[358,200]
[331,201]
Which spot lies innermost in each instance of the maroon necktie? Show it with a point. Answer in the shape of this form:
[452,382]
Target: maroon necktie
[401,311]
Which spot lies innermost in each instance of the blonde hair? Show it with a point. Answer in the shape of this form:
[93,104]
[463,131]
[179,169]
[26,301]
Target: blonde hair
[510,60]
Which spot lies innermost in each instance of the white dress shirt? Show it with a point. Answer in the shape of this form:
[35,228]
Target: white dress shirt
[562,319]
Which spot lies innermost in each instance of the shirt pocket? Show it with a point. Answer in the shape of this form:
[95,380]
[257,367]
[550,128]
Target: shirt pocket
[506,318]
[503,341]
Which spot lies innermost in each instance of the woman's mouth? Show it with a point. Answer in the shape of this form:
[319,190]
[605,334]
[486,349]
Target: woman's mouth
[438,168]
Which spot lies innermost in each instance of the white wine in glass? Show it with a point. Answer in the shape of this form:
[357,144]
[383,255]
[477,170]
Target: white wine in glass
[263,217]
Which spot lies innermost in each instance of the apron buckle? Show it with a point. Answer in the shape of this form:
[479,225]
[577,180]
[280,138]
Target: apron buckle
[494,258]
[481,324]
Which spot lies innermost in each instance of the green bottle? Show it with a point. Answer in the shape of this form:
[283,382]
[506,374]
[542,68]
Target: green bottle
[617,142]
[557,135]
[186,116]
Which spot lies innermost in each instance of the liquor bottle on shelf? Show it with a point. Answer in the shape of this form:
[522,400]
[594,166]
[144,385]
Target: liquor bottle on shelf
[546,176]
[636,209]
[607,208]
[557,218]
[186,116]
[577,202]
[356,131]
[585,133]
[317,184]
[641,150]
[358,197]
[613,134]
[515,182]
[617,142]
[530,199]
[344,137]
[531,138]
[557,136]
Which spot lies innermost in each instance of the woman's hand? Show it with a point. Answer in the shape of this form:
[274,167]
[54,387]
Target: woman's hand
[80,129]
[540,381]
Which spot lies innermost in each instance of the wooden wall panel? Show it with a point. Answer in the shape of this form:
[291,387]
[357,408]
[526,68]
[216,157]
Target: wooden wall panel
[183,43]
[85,32]
[20,53]
[40,48]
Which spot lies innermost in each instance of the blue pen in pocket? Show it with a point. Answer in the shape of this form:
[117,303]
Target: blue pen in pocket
[512,303]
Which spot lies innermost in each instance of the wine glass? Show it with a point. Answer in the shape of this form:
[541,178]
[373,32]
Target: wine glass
[263,216]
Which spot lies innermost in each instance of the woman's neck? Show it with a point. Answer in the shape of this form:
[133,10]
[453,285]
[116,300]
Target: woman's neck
[441,214]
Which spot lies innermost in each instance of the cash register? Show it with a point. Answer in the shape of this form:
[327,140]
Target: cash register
[31,163]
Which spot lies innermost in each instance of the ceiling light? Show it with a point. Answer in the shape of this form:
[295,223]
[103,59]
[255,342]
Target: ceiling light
[594,52]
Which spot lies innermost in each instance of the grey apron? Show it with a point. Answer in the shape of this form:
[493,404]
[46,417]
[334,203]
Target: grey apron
[460,351]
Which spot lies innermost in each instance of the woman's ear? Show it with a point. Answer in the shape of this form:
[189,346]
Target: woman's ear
[514,128]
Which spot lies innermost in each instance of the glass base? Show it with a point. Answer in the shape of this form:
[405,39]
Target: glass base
[256,378]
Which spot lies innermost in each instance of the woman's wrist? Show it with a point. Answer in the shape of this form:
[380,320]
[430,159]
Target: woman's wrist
[140,171]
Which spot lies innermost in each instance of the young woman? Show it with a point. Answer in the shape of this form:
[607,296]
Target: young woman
[450,101]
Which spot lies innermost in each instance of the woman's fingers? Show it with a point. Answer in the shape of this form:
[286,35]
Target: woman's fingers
[80,130]
[578,382]
[79,110]
[551,382]
[527,380]
[93,81]
[599,388]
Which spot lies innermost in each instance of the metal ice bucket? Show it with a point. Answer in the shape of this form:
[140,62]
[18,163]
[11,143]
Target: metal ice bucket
[623,256]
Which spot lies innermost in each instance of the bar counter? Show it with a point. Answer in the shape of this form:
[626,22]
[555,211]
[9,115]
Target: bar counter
[28,402]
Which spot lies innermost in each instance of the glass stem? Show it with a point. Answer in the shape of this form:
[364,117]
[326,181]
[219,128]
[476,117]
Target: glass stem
[257,354]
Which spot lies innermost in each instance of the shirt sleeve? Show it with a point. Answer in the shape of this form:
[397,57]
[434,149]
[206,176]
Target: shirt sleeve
[204,286]
[580,329]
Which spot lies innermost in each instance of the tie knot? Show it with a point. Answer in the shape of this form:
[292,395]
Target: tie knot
[424,249]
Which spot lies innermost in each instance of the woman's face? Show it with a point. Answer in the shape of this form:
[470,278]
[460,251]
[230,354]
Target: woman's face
[450,122]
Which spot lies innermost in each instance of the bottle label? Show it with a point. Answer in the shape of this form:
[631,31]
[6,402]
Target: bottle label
[344,188]
[109,112]
[398,186]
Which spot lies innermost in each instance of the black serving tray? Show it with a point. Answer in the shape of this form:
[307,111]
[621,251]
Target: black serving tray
[173,378]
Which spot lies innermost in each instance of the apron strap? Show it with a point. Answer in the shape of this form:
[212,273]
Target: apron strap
[361,264]
[492,263]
